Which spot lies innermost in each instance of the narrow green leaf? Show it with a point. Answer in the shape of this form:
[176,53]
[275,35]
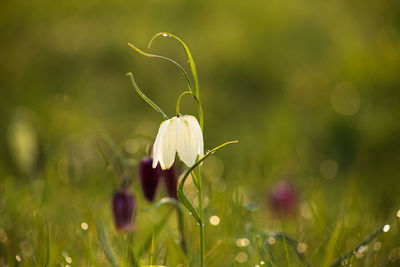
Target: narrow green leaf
[48,246]
[332,243]
[107,248]
[181,194]
[148,100]
[109,141]
[156,230]
[152,249]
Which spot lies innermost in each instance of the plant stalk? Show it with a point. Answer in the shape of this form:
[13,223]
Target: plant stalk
[201,215]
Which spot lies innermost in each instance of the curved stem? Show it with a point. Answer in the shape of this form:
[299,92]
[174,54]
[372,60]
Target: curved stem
[178,103]
[188,55]
[192,68]
[148,100]
[167,59]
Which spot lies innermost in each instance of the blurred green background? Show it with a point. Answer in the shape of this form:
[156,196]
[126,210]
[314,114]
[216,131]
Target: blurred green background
[310,88]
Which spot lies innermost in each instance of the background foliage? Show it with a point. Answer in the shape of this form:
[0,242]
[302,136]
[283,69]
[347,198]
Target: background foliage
[310,88]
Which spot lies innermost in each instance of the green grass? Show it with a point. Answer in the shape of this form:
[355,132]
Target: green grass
[271,75]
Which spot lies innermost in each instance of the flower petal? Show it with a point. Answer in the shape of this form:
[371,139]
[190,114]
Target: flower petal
[190,140]
[168,144]
[157,147]
[195,129]
[185,143]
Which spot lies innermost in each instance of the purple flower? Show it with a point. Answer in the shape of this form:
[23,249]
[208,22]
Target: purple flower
[124,210]
[171,179]
[283,198]
[149,178]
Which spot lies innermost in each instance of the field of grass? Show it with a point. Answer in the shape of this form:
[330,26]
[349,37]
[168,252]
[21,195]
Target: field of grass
[310,89]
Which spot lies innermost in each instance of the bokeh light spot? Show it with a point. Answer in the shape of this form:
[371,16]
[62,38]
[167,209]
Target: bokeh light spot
[377,246]
[68,259]
[26,248]
[242,242]
[271,240]
[3,236]
[301,247]
[345,99]
[132,146]
[214,220]
[84,226]
[241,257]
[329,169]
[305,210]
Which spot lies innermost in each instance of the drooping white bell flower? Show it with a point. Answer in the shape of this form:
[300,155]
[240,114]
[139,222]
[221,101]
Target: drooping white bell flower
[180,134]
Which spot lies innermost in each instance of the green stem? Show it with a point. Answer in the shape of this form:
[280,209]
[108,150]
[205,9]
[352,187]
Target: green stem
[201,225]
[192,68]
[200,110]
[185,201]
[178,103]
[167,59]
[148,100]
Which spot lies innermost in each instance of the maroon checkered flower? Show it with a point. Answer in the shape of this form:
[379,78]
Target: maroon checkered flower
[124,210]
[171,178]
[149,178]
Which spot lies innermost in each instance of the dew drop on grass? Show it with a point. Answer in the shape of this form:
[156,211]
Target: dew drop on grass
[18,258]
[386,228]
[165,35]
[262,263]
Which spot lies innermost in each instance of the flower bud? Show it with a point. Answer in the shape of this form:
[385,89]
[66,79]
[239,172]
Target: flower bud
[149,178]
[283,198]
[124,210]
[171,179]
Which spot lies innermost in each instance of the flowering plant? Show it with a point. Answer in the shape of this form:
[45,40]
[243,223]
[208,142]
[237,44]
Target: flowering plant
[182,135]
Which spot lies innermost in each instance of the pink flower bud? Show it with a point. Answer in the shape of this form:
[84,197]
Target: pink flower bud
[283,198]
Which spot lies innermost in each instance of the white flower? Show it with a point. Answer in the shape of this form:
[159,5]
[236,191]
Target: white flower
[180,134]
